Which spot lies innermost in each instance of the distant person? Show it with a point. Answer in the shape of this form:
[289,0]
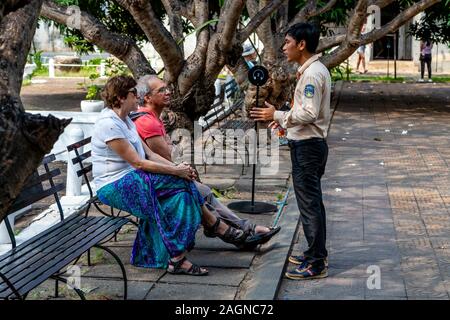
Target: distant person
[249,54]
[362,55]
[425,57]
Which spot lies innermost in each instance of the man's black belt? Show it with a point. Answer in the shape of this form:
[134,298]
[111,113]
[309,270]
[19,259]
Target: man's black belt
[294,143]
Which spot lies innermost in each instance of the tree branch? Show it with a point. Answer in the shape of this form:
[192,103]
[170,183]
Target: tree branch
[309,11]
[173,9]
[330,4]
[195,64]
[158,35]
[330,42]
[261,16]
[228,22]
[123,47]
[303,14]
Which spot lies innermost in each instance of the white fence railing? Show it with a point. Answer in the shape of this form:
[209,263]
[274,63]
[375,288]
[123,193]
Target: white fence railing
[52,67]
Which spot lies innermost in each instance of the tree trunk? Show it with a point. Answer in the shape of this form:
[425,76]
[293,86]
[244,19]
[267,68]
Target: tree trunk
[24,138]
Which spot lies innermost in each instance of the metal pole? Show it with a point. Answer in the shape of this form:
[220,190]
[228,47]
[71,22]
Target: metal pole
[347,71]
[388,47]
[395,55]
[437,56]
[388,64]
[255,159]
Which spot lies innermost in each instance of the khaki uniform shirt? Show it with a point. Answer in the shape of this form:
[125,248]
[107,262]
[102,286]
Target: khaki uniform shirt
[309,117]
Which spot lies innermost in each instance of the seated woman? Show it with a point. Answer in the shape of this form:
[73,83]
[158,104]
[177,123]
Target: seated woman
[161,194]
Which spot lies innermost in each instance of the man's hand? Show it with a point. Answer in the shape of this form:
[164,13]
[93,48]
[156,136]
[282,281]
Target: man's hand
[263,114]
[274,125]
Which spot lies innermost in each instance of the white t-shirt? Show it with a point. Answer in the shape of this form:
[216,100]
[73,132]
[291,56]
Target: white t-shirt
[107,165]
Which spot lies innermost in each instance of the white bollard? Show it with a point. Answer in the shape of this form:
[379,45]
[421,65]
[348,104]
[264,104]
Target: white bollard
[51,68]
[73,182]
[102,69]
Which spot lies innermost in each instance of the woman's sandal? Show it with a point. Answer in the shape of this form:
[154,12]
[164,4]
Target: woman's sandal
[231,235]
[194,270]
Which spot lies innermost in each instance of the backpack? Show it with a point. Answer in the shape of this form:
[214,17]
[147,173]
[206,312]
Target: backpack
[135,115]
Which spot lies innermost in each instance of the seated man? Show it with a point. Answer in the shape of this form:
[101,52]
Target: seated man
[154,96]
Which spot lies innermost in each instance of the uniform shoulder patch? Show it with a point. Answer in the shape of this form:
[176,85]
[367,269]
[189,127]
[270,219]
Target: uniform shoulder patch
[309,91]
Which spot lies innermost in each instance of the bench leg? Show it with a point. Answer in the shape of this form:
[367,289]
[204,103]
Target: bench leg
[89,257]
[78,291]
[10,285]
[124,273]
[56,288]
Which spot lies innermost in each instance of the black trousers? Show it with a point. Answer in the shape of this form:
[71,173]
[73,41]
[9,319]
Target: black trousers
[425,60]
[309,158]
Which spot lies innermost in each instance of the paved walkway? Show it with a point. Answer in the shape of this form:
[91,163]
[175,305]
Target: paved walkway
[387,194]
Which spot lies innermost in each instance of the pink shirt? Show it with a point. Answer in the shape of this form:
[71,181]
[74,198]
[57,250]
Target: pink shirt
[427,49]
[149,125]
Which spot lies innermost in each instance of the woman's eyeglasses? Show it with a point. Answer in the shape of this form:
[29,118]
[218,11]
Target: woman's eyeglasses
[133,91]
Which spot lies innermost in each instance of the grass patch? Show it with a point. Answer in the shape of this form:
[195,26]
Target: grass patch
[42,72]
[385,79]
[443,79]
[84,72]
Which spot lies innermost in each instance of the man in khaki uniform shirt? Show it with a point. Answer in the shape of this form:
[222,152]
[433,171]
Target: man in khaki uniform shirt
[307,124]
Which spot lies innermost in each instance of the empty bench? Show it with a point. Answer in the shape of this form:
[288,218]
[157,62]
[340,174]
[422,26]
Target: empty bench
[43,256]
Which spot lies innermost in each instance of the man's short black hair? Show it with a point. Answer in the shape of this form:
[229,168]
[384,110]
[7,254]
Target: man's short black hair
[305,31]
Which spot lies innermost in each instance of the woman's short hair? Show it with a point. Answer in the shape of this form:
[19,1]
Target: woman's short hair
[305,31]
[117,87]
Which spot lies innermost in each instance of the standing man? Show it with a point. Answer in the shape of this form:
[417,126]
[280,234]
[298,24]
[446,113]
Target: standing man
[154,95]
[307,124]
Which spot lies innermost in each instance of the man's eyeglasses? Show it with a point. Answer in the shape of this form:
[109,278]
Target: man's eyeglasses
[163,90]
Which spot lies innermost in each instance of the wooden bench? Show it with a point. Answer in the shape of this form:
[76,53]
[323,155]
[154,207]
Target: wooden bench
[43,256]
[221,110]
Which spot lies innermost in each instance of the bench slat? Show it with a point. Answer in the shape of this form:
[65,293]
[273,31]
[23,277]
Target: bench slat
[78,144]
[34,252]
[72,256]
[26,246]
[81,157]
[86,169]
[48,159]
[67,252]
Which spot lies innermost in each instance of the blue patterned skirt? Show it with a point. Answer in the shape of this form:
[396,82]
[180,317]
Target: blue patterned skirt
[169,212]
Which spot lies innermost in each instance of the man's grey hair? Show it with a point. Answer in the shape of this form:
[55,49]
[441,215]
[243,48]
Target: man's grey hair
[143,88]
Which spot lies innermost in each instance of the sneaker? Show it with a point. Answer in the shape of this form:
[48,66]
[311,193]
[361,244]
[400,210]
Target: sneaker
[308,272]
[430,80]
[421,80]
[301,259]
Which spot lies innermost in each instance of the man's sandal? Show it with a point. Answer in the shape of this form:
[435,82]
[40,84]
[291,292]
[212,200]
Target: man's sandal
[259,238]
[194,270]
